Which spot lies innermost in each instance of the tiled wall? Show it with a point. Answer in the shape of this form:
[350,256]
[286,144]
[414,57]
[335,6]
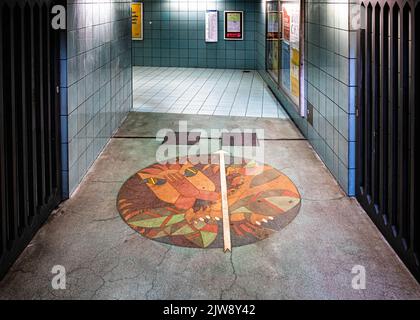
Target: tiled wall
[330,83]
[330,80]
[97,93]
[174,35]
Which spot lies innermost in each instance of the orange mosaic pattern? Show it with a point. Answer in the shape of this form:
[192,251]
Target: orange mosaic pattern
[180,203]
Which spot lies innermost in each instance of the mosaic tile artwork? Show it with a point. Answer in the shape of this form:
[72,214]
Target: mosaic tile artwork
[180,203]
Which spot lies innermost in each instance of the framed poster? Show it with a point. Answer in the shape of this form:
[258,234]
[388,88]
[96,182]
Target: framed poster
[212,29]
[273,25]
[137,21]
[234,25]
[294,72]
[285,24]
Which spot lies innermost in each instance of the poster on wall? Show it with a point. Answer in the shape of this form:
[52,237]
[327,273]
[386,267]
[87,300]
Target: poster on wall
[234,25]
[272,25]
[294,30]
[285,24]
[212,29]
[285,62]
[291,50]
[137,20]
[294,72]
[293,13]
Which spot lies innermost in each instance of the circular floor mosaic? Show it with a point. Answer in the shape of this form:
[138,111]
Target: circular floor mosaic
[180,203]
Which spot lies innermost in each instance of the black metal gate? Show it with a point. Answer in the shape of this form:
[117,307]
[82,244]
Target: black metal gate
[30,164]
[388,142]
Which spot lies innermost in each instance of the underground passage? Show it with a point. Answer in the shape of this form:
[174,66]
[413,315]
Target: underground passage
[209,150]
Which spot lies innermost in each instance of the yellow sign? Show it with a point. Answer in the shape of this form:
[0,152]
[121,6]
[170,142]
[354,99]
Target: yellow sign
[137,20]
[294,72]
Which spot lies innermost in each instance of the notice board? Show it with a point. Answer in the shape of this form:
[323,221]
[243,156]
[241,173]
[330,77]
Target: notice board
[234,25]
[212,29]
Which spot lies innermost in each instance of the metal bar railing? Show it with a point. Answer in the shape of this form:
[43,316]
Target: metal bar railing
[387,139]
[30,154]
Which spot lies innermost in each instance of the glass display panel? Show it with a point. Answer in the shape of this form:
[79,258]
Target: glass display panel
[283,46]
[272,39]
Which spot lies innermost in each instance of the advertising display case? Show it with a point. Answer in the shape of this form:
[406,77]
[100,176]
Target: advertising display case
[273,39]
[284,48]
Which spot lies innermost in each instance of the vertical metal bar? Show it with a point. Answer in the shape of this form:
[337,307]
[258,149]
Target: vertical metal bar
[40,114]
[415,176]
[3,207]
[403,197]
[32,121]
[26,100]
[7,153]
[383,136]
[375,98]
[361,104]
[47,102]
[20,117]
[54,49]
[14,196]
[368,105]
[28,88]
[393,121]
[412,131]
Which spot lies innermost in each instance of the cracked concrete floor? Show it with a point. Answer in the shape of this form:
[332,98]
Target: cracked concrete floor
[311,258]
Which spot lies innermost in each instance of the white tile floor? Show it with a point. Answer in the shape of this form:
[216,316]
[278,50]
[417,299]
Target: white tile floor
[203,91]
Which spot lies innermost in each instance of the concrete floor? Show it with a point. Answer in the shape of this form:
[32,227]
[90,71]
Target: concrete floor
[311,258]
[203,91]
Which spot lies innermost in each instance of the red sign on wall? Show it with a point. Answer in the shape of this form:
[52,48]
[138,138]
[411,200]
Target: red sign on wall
[233,35]
[286,25]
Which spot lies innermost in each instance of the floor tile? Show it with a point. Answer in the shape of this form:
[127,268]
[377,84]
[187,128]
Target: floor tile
[203,91]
